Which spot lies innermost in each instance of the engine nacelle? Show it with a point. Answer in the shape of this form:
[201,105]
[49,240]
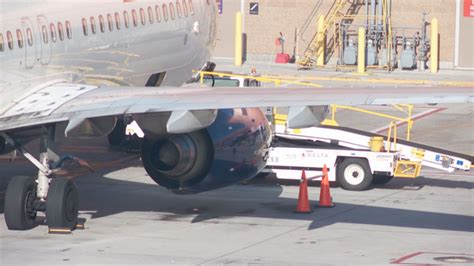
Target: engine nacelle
[5,146]
[177,159]
[231,150]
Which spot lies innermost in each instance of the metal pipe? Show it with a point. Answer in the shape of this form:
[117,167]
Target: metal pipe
[372,15]
[390,8]
[361,51]
[434,46]
[379,15]
[366,13]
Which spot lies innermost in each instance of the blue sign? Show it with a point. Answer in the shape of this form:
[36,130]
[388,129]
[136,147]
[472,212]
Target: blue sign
[253,9]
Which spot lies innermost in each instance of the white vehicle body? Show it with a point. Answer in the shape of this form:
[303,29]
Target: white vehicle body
[287,163]
[355,139]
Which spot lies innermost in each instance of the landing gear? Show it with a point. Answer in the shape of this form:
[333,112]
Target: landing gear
[56,196]
[62,204]
[20,213]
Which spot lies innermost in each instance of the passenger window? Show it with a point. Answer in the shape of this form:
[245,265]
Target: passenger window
[111,22]
[178,9]
[126,19]
[93,26]
[172,11]
[29,36]
[84,26]
[165,12]
[68,30]
[19,36]
[60,31]
[191,7]
[134,17]
[1,43]
[10,40]
[158,17]
[185,8]
[102,23]
[117,20]
[52,29]
[142,16]
[150,15]
[44,31]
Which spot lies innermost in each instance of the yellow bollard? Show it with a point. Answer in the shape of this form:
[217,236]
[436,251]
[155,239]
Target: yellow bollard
[238,39]
[434,51]
[321,42]
[361,51]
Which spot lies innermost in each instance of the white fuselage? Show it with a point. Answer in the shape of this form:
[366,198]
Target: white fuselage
[101,42]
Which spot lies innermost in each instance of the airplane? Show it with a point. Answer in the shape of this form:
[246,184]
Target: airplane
[82,69]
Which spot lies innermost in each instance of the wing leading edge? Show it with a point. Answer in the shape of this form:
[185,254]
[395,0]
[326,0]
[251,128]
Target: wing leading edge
[75,103]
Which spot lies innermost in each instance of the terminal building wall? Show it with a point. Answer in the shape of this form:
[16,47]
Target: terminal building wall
[275,16]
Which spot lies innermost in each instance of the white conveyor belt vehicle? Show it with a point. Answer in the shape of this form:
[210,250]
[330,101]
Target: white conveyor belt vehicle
[350,157]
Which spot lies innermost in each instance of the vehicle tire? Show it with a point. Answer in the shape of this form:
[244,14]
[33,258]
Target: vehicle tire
[19,199]
[62,204]
[117,135]
[381,179]
[354,174]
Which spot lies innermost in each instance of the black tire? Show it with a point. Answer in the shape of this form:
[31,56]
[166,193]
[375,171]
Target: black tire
[381,179]
[62,204]
[117,135]
[19,198]
[354,174]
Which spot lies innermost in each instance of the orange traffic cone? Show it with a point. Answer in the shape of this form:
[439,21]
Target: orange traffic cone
[325,200]
[303,201]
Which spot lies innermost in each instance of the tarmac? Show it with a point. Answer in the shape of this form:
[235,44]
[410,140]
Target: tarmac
[131,220]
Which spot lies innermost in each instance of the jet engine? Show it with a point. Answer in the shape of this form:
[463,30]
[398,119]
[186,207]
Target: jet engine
[232,149]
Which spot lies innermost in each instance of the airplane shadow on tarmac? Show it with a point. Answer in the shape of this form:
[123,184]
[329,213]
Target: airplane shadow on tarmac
[101,197]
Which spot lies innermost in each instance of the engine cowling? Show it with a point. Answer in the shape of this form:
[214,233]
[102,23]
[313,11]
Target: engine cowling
[231,150]
[176,159]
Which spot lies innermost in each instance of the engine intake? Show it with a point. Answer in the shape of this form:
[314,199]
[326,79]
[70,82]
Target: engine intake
[178,159]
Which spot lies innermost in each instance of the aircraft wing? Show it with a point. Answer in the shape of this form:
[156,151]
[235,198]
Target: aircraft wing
[77,104]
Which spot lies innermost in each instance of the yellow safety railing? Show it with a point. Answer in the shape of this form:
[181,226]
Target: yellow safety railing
[276,81]
[388,147]
[408,120]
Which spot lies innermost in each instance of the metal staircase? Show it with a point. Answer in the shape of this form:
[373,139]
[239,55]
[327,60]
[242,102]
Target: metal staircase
[311,52]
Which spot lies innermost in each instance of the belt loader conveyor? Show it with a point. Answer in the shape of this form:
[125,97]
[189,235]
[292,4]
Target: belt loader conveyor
[358,139]
[345,151]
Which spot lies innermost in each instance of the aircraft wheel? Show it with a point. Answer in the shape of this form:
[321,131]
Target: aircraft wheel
[354,174]
[19,200]
[62,204]
[381,179]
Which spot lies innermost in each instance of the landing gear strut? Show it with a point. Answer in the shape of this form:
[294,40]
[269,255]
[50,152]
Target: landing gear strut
[56,196]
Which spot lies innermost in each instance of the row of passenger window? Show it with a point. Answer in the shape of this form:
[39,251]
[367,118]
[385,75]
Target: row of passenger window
[56,31]
[9,41]
[183,8]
